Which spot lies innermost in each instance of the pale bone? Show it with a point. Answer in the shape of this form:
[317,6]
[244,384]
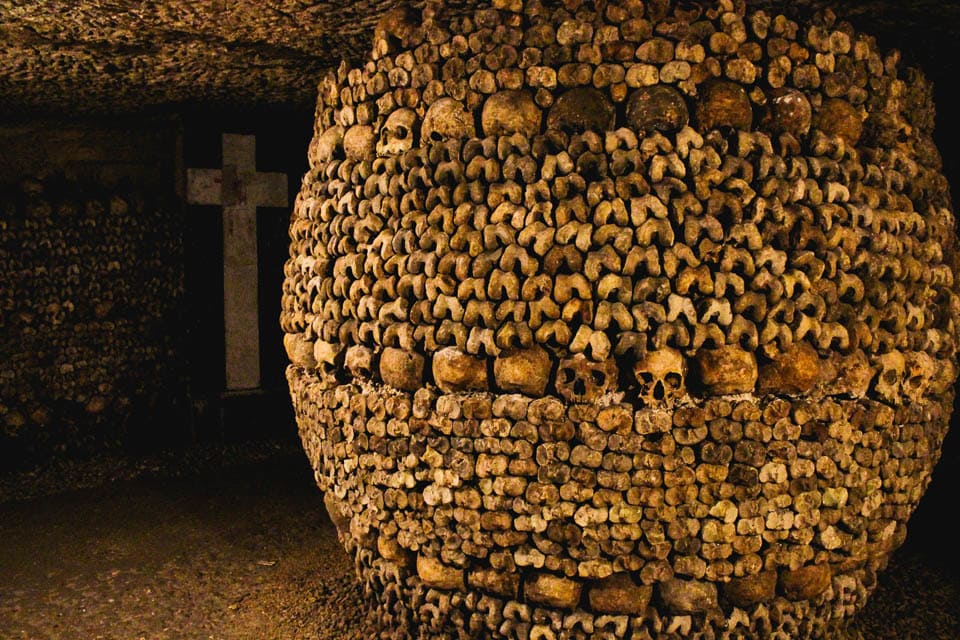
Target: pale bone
[359,142]
[661,377]
[399,132]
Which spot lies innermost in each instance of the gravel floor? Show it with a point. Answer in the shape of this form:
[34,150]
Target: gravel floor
[233,545]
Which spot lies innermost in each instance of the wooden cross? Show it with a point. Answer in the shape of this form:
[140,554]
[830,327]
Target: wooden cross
[239,189]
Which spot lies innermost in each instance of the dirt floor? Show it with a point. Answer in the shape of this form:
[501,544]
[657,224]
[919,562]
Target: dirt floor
[244,551]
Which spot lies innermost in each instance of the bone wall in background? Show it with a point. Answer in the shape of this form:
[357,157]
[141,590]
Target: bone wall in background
[92,335]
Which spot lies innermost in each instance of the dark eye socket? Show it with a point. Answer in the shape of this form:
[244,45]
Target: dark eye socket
[599,377]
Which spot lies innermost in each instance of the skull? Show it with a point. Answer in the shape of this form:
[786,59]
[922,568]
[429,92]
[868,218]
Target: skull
[398,133]
[788,111]
[358,142]
[582,381]
[524,371]
[854,374]
[921,370]
[402,369]
[327,145]
[944,377]
[726,370]
[360,362]
[447,118]
[657,108]
[724,104]
[455,371]
[888,384]
[795,371]
[661,377]
[511,111]
[837,117]
[582,109]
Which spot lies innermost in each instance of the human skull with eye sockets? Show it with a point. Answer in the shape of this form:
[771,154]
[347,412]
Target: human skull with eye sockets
[398,133]
[661,377]
[581,380]
[447,119]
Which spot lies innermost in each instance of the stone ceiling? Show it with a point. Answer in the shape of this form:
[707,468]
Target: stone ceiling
[122,56]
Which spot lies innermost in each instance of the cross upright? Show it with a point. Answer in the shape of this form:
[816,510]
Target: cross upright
[239,189]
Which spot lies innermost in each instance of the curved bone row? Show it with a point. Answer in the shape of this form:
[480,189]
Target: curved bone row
[90,282]
[733,504]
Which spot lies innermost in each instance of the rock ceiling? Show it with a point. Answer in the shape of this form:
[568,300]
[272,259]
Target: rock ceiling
[116,56]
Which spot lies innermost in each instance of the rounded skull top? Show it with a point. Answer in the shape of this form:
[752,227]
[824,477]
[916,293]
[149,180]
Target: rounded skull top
[629,316]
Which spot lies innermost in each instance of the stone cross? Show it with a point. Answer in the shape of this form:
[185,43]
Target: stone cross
[239,189]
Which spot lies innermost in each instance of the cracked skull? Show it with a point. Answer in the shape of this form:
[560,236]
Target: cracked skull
[398,133]
[661,377]
[581,380]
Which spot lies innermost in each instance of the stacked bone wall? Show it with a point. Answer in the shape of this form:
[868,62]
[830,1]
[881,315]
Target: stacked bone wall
[92,260]
[627,318]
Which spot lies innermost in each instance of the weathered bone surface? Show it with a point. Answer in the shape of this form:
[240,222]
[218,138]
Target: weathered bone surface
[668,352]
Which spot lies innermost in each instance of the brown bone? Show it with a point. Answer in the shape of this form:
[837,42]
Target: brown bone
[657,108]
[724,104]
[837,117]
[455,371]
[525,371]
[726,370]
[509,112]
[582,109]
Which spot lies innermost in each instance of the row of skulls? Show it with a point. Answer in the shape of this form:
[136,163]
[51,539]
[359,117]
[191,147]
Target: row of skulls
[658,378]
[658,108]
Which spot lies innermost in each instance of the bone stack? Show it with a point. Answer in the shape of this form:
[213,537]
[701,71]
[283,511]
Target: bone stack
[634,319]
[91,286]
